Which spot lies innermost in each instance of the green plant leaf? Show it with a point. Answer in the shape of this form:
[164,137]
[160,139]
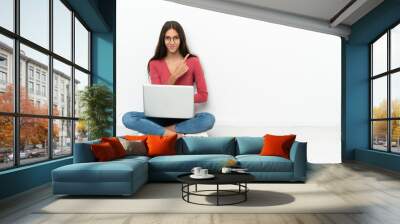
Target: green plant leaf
[96,102]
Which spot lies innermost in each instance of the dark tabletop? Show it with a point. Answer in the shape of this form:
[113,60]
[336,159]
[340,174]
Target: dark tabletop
[220,178]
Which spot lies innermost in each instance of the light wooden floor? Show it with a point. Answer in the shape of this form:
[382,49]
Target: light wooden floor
[379,189]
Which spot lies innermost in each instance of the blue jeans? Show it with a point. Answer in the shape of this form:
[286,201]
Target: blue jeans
[155,126]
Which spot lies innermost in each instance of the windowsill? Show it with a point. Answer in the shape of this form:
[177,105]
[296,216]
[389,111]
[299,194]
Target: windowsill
[25,167]
[381,152]
[382,159]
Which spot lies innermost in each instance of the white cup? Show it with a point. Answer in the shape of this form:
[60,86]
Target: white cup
[226,170]
[196,171]
[203,172]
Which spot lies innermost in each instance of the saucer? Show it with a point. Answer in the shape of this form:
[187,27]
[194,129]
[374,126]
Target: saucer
[208,176]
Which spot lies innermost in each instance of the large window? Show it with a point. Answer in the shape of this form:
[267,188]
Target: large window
[385,91]
[44,63]
[7,14]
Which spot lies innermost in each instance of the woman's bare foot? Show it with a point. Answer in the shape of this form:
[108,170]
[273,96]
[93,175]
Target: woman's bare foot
[171,128]
[168,132]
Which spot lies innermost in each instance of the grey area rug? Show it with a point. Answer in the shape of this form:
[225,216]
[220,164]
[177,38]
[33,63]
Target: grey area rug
[166,198]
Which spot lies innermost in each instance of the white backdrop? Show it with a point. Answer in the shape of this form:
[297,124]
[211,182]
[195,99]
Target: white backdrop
[261,77]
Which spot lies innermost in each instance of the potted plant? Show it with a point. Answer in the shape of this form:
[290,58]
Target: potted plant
[96,102]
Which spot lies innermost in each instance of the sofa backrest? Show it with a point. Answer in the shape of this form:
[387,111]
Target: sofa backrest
[249,145]
[191,146]
[206,145]
[186,145]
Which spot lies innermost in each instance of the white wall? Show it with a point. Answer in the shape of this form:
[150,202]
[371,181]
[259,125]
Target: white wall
[260,76]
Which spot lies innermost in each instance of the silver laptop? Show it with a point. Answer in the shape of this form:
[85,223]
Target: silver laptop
[168,101]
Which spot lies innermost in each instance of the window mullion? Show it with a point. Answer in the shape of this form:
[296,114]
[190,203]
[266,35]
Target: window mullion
[16,84]
[50,87]
[389,104]
[89,58]
[73,82]
[371,142]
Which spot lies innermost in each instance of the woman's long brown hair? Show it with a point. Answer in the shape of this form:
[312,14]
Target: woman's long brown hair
[161,49]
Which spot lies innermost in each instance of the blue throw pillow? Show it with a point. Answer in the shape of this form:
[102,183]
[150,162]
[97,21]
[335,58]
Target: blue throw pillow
[249,145]
[207,145]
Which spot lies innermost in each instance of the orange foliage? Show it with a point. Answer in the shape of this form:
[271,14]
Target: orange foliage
[33,130]
[380,127]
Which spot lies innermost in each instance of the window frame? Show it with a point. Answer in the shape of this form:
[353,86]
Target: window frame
[15,72]
[388,74]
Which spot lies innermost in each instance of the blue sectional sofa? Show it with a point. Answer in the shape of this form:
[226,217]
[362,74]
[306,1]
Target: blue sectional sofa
[125,176]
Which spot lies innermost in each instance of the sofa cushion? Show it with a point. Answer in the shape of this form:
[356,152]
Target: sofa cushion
[134,147]
[116,145]
[185,163]
[131,158]
[206,145]
[257,163]
[161,145]
[275,145]
[135,137]
[103,151]
[249,145]
[112,171]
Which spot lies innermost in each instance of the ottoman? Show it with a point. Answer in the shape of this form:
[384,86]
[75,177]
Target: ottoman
[118,177]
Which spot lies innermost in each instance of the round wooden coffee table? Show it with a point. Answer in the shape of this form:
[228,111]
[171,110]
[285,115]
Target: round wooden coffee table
[238,179]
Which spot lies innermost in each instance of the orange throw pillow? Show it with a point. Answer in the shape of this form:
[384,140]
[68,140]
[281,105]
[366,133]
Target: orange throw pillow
[116,145]
[161,145]
[103,151]
[277,145]
[135,137]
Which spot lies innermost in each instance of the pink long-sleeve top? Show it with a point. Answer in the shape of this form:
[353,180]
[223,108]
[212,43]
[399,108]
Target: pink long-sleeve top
[159,74]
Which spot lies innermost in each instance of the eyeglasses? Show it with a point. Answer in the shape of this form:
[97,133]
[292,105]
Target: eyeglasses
[169,39]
